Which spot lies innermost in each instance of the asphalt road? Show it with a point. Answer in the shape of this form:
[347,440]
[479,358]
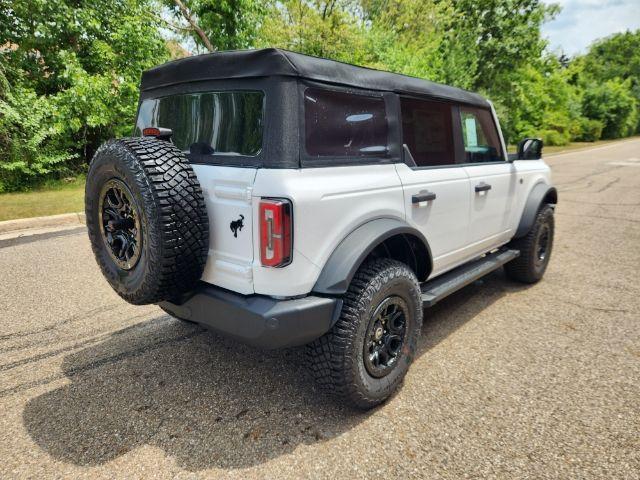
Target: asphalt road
[511,381]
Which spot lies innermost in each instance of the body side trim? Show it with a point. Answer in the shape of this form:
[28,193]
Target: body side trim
[345,260]
[536,198]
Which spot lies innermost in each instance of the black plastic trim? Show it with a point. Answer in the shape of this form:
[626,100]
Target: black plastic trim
[535,200]
[351,252]
[257,319]
[444,285]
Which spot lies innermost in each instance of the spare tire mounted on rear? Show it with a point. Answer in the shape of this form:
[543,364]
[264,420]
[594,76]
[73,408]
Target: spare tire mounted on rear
[146,218]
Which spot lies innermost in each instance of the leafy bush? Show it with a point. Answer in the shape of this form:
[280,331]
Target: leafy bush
[590,130]
[28,140]
[613,104]
[553,137]
[69,76]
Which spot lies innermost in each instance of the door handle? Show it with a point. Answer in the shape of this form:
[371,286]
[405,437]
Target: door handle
[483,187]
[424,196]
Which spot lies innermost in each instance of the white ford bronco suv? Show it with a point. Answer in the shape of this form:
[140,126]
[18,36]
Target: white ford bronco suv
[287,200]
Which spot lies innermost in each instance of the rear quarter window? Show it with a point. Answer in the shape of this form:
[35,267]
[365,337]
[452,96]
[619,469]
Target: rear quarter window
[208,123]
[342,124]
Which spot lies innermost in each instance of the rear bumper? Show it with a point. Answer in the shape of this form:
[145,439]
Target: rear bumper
[258,320]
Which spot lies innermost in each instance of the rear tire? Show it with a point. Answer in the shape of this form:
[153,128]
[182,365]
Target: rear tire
[535,249]
[365,356]
[146,219]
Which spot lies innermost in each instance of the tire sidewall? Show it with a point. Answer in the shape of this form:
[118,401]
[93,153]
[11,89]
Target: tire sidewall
[545,217]
[374,389]
[111,161]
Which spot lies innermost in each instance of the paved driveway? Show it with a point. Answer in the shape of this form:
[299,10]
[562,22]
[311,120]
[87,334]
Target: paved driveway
[510,382]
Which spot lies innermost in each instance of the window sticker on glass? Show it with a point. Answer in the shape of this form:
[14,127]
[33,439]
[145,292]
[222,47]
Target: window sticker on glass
[471,132]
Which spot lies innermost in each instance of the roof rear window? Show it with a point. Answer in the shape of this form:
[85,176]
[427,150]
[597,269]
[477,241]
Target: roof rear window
[220,123]
[341,124]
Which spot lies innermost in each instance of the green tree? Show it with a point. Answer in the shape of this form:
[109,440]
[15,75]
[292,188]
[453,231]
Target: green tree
[614,57]
[71,71]
[323,28]
[612,103]
[413,37]
[617,56]
[504,36]
[217,24]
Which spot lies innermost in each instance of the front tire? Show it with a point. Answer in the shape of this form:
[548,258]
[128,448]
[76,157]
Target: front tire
[365,356]
[535,249]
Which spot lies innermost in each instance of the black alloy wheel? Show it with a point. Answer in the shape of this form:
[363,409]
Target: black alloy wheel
[542,245]
[120,221]
[535,249]
[385,336]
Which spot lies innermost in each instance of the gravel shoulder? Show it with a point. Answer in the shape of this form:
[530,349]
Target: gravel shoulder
[510,382]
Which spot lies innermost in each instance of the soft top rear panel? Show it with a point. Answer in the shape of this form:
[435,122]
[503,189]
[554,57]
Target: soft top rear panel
[276,62]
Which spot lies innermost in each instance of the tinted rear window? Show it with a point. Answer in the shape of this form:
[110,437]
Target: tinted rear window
[225,123]
[340,124]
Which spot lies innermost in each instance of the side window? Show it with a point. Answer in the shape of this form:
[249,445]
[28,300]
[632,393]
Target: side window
[340,124]
[207,123]
[480,136]
[427,131]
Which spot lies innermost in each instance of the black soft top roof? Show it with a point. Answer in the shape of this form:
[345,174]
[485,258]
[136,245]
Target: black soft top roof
[276,62]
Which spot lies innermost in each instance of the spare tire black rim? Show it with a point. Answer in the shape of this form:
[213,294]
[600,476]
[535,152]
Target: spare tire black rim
[385,336]
[120,222]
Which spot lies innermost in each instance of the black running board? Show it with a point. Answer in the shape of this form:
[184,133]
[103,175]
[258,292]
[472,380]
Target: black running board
[435,290]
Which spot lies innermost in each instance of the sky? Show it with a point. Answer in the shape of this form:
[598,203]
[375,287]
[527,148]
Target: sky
[582,21]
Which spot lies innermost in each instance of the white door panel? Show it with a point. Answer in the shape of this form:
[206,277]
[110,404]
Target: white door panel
[227,193]
[444,220]
[490,216]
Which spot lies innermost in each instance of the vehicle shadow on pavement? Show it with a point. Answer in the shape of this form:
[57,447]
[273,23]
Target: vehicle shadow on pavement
[462,306]
[205,400]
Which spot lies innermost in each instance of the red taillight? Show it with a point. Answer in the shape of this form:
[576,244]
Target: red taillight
[160,133]
[151,132]
[275,232]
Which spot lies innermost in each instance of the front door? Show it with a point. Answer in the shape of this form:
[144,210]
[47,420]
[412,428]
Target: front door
[492,180]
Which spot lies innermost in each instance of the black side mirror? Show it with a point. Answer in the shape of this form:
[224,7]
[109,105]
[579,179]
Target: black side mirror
[530,149]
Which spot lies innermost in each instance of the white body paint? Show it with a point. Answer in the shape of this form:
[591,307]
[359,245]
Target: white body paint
[331,202]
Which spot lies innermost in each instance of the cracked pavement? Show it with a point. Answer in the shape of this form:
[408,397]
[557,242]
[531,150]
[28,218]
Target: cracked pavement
[510,381]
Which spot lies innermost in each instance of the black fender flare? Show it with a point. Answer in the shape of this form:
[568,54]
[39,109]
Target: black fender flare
[347,257]
[540,194]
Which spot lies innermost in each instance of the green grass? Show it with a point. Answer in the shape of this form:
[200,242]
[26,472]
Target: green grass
[51,199]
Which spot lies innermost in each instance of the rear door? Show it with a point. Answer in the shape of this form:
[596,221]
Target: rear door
[492,179]
[228,195]
[221,133]
[436,190]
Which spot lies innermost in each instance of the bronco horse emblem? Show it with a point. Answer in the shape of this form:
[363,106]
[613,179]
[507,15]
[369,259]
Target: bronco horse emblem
[237,225]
